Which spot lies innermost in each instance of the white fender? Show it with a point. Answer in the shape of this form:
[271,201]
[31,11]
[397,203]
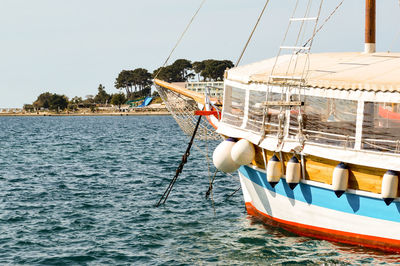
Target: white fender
[243,152]
[340,179]
[293,172]
[222,156]
[274,171]
[390,183]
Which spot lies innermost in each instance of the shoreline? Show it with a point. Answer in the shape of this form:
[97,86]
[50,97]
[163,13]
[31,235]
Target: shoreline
[158,113]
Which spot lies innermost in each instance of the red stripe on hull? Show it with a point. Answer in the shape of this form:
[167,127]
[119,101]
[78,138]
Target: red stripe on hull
[385,244]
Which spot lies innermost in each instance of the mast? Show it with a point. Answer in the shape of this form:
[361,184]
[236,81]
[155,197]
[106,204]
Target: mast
[370,15]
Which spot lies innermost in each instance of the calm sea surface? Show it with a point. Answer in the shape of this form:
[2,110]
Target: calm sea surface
[82,190]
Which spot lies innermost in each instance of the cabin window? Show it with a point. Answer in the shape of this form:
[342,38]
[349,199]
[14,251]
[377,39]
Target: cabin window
[326,120]
[381,127]
[255,116]
[234,106]
[256,109]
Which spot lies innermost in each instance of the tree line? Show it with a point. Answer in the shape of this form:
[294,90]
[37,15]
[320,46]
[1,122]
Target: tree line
[183,70]
[136,84]
[58,102]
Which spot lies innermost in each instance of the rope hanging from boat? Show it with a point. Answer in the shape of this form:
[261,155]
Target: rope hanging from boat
[210,187]
[185,156]
[233,193]
[251,34]
[181,37]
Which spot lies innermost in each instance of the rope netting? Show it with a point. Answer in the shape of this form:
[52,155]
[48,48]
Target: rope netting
[182,109]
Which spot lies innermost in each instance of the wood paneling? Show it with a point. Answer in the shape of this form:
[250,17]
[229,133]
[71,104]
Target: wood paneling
[320,170]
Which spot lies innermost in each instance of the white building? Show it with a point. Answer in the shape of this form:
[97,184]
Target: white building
[215,88]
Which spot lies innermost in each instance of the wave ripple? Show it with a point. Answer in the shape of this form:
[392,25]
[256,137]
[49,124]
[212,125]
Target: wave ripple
[82,190]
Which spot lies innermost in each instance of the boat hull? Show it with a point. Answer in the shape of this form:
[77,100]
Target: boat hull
[315,211]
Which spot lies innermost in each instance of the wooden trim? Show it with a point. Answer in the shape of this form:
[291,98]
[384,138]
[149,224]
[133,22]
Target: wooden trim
[320,170]
[198,97]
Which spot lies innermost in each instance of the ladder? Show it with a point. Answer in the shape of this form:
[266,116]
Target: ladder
[297,43]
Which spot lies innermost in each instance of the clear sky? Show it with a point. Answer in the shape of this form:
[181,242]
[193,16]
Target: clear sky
[70,47]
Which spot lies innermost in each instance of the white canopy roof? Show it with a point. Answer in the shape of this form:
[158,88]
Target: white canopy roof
[344,71]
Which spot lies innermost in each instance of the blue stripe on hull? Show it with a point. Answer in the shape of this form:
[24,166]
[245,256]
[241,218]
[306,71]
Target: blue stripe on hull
[348,203]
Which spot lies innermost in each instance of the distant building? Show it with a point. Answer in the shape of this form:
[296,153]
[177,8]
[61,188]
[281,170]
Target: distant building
[215,88]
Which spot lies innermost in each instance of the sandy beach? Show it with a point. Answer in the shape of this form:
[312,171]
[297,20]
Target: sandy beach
[92,114]
[87,112]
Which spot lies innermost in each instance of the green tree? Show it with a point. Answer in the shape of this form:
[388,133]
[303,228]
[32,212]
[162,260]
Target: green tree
[102,96]
[88,102]
[42,100]
[164,73]
[76,100]
[141,80]
[122,82]
[74,103]
[198,67]
[179,71]
[133,81]
[52,101]
[58,102]
[28,107]
[214,69]
[118,99]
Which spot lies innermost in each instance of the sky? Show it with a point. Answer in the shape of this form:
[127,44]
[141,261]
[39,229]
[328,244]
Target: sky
[70,47]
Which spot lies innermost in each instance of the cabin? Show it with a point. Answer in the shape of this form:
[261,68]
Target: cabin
[349,108]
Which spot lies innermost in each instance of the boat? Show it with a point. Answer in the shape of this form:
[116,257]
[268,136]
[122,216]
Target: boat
[313,139]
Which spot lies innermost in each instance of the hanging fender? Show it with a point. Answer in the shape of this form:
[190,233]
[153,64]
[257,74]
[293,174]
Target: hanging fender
[293,173]
[390,183]
[243,152]
[274,171]
[222,158]
[340,179]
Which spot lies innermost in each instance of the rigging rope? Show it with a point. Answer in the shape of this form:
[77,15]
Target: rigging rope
[306,69]
[181,37]
[210,187]
[180,167]
[233,193]
[266,109]
[292,82]
[325,21]
[251,34]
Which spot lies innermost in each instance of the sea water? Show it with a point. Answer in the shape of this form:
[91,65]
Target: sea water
[82,190]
